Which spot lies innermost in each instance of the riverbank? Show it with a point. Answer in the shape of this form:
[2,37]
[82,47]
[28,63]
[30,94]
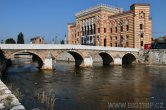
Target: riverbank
[8,100]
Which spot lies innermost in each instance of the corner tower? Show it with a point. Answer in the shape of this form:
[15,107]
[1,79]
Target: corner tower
[142,24]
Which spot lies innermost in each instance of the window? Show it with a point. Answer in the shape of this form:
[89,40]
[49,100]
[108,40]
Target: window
[111,30]
[104,30]
[78,33]
[115,37]
[82,40]
[91,30]
[127,37]
[83,33]
[110,38]
[116,45]
[142,35]
[88,31]
[98,30]
[121,28]
[111,44]
[141,26]
[121,38]
[127,27]
[142,43]
[116,29]
[127,44]
[90,38]
[94,29]
[142,14]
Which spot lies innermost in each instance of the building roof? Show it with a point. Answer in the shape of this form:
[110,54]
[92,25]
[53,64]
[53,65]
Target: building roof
[99,8]
[71,23]
[139,4]
[38,37]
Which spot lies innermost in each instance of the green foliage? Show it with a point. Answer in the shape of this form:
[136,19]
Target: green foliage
[2,55]
[9,99]
[62,42]
[16,92]
[20,38]
[1,41]
[10,41]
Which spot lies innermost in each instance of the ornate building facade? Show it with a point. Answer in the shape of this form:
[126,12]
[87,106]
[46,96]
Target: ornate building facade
[104,25]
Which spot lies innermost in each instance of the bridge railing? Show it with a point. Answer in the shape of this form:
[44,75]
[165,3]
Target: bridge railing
[64,47]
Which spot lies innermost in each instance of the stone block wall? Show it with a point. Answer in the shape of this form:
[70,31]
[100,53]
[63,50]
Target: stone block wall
[157,56]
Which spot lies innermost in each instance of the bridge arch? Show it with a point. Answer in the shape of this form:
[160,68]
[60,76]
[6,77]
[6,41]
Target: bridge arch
[35,57]
[77,56]
[81,58]
[128,58]
[107,58]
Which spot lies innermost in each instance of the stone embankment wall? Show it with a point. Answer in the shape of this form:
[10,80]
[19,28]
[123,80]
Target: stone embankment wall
[155,56]
[8,101]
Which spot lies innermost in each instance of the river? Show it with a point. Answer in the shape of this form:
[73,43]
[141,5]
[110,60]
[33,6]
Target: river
[88,88]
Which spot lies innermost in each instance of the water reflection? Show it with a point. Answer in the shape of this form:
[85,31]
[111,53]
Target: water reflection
[89,88]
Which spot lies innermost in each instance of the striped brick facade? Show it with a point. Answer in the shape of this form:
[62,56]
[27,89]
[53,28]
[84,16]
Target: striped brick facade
[107,26]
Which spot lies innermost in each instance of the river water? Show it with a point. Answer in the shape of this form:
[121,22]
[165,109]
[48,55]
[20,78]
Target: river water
[89,88]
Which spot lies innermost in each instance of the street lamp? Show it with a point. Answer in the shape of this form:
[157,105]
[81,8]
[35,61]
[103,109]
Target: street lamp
[55,40]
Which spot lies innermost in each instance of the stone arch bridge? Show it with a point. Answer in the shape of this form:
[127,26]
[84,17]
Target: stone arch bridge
[83,55]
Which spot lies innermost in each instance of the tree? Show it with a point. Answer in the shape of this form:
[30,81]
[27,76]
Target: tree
[1,41]
[20,38]
[10,41]
[62,42]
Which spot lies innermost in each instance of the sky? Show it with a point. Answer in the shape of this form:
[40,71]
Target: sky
[49,18]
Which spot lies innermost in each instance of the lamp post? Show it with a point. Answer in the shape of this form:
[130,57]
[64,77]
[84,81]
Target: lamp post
[55,40]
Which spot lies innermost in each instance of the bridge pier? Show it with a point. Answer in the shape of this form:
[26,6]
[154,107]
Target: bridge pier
[88,61]
[118,61]
[48,64]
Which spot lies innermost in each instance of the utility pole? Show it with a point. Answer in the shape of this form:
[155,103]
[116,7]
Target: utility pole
[65,42]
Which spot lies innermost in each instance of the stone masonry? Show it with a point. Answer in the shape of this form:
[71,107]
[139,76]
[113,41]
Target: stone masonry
[153,56]
[8,100]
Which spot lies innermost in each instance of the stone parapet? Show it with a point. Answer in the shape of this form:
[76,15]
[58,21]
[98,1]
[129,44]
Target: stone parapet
[63,47]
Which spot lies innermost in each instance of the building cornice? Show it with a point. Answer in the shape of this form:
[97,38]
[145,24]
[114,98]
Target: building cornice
[121,14]
[100,7]
[140,4]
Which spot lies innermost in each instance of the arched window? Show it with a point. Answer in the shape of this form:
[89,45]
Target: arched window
[116,28]
[110,27]
[142,15]
[121,25]
[98,25]
[127,25]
